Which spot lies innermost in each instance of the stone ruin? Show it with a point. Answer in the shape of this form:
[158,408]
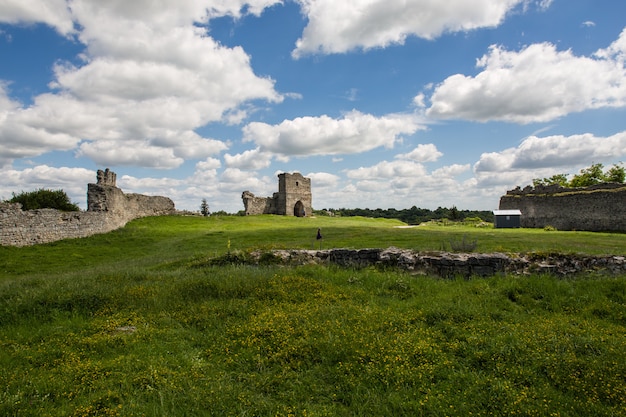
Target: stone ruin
[292,199]
[106,177]
[596,208]
[108,208]
[450,265]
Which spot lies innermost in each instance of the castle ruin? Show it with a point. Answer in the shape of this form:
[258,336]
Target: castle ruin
[108,208]
[596,208]
[292,199]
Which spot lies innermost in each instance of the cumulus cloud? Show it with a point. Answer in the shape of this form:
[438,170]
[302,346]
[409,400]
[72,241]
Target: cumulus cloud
[451,171]
[147,185]
[337,27]
[149,76]
[354,133]
[323,179]
[554,151]
[422,153]
[210,164]
[54,13]
[387,170]
[536,84]
[252,160]
[403,183]
[543,157]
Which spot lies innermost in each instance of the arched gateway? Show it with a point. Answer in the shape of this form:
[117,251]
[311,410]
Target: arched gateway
[298,209]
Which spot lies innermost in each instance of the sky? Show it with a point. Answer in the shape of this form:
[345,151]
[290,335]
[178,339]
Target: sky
[382,103]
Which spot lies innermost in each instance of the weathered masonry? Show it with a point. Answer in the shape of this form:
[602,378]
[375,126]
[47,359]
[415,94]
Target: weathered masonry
[595,208]
[108,208]
[292,199]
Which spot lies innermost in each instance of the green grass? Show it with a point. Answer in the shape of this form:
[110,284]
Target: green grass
[130,324]
[153,241]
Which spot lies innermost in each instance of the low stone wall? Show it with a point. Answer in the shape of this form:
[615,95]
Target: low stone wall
[448,265]
[597,208]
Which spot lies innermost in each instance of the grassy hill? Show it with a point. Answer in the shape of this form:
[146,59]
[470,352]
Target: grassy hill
[134,323]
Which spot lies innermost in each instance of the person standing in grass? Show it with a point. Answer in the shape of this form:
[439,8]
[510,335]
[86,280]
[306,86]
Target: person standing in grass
[319,237]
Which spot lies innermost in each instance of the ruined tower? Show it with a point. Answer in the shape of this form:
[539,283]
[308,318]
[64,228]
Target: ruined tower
[293,198]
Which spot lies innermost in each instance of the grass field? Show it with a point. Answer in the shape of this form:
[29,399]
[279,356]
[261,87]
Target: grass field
[128,324]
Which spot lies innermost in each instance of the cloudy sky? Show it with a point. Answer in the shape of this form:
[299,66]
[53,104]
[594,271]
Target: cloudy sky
[382,103]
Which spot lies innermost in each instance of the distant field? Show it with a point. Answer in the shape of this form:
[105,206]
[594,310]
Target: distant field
[130,324]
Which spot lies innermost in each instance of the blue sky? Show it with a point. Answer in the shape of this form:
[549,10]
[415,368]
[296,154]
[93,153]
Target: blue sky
[382,103]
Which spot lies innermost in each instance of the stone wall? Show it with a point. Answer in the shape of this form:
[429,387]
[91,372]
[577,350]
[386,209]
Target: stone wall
[254,205]
[108,208]
[597,208]
[451,265]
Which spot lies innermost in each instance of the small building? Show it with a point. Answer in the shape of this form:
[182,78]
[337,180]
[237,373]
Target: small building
[507,218]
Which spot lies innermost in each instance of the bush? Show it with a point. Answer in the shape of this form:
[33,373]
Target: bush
[44,198]
[464,245]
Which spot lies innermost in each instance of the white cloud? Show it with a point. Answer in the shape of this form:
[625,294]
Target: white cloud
[130,153]
[388,170]
[210,164]
[545,4]
[337,27]
[54,13]
[354,133]
[147,185]
[536,84]
[149,76]
[6,104]
[543,157]
[323,180]
[422,153]
[236,181]
[252,160]
[188,144]
[420,100]
[451,171]
[553,152]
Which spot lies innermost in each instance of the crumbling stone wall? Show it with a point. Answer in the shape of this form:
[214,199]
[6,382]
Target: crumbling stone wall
[596,208]
[451,265]
[254,205]
[294,198]
[108,208]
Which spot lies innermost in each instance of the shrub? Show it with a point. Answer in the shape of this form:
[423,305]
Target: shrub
[43,198]
[463,245]
[549,228]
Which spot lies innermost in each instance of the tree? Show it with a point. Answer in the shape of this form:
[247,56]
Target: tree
[454,214]
[204,208]
[588,176]
[616,174]
[558,179]
[595,175]
[44,198]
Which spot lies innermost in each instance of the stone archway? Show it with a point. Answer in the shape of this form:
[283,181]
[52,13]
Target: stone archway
[298,209]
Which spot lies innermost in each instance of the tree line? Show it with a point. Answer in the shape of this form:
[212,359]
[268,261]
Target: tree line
[414,215]
[595,174]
